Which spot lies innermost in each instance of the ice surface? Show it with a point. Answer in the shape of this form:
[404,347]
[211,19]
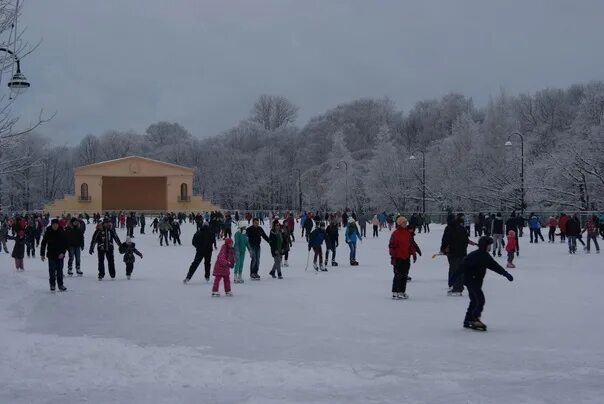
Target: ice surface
[334,337]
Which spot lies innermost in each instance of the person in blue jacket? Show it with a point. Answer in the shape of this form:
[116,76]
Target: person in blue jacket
[351,236]
[534,224]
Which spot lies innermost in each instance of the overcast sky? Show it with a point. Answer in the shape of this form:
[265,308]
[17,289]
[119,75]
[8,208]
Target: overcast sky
[124,64]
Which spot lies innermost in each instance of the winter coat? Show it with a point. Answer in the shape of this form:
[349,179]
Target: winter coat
[276,242]
[552,222]
[497,225]
[573,227]
[104,239]
[401,244]
[131,221]
[474,267]
[19,247]
[534,223]
[511,243]
[165,227]
[352,234]
[75,237]
[591,227]
[241,244]
[3,232]
[129,249]
[204,239]
[30,234]
[511,224]
[562,223]
[316,238]
[53,243]
[375,221]
[455,241]
[290,223]
[332,236]
[225,261]
[255,236]
[287,239]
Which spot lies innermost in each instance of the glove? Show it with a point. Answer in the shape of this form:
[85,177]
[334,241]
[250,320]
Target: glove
[509,276]
[393,261]
[414,258]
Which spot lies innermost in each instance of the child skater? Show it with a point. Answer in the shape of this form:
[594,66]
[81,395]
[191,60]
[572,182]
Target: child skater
[222,268]
[18,249]
[510,248]
[129,249]
[242,244]
[473,268]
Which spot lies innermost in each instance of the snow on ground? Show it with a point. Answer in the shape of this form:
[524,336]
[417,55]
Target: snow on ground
[333,337]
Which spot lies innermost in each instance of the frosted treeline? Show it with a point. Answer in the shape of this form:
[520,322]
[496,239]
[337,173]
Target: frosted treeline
[265,160]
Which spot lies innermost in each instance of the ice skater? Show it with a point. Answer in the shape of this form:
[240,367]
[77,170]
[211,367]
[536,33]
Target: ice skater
[402,248]
[315,243]
[222,268]
[510,248]
[351,236]
[18,249]
[129,249]
[242,245]
[473,269]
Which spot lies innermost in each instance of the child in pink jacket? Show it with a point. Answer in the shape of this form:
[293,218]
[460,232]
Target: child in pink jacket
[510,247]
[222,268]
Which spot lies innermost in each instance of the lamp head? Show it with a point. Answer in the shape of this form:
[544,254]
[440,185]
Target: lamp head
[18,84]
[412,157]
[508,143]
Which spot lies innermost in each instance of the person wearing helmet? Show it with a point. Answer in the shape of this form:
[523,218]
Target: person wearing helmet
[473,268]
[351,236]
[402,248]
[242,244]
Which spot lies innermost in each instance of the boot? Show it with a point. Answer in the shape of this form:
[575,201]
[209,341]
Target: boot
[185,281]
[510,265]
[396,296]
[333,263]
[69,272]
[477,325]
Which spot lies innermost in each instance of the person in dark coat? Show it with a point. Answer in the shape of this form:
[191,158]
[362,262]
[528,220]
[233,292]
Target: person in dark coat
[129,249]
[203,241]
[75,244]
[332,241]
[19,249]
[104,236]
[130,225]
[53,247]
[473,268]
[455,246]
[142,221]
[255,234]
[573,231]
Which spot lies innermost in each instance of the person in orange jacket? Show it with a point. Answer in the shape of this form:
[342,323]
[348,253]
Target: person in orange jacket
[402,247]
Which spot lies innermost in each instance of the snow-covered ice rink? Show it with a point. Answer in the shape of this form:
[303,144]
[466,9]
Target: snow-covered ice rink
[334,337]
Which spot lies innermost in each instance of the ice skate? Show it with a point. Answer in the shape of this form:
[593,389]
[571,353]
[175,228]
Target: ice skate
[452,292]
[285,264]
[272,274]
[215,294]
[185,281]
[403,296]
[128,277]
[409,279]
[52,289]
[99,278]
[230,294]
[207,279]
[80,273]
[69,272]
[510,265]
[315,267]
[334,264]
[62,288]
[477,325]
[280,276]
[396,296]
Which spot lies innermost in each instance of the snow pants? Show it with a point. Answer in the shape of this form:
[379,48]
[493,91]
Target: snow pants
[401,272]
[110,263]
[227,283]
[200,255]
[455,278]
[55,272]
[477,301]
[239,259]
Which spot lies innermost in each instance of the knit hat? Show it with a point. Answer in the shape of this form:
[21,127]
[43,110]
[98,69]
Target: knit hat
[54,221]
[401,221]
[484,242]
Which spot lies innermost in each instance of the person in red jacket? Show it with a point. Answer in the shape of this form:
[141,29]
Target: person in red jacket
[552,223]
[402,248]
[510,247]
[562,224]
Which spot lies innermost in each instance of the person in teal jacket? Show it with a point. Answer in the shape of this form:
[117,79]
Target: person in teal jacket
[351,236]
[242,245]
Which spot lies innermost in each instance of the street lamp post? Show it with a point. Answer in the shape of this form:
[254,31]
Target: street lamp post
[509,144]
[18,84]
[338,166]
[299,188]
[423,177]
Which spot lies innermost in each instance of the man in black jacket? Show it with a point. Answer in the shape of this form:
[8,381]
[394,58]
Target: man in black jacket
[75,244]
[497,233]
[332,242]
[255,234]
[455,246]
[53,247]
[203,241]
[104,238]
[130,225]
[473,269]
[142,221]
[573,231]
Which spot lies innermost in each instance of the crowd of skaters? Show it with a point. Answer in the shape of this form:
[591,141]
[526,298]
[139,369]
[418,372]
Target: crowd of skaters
[63,237]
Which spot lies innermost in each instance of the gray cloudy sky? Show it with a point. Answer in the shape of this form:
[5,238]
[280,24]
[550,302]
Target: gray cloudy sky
[123,64]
